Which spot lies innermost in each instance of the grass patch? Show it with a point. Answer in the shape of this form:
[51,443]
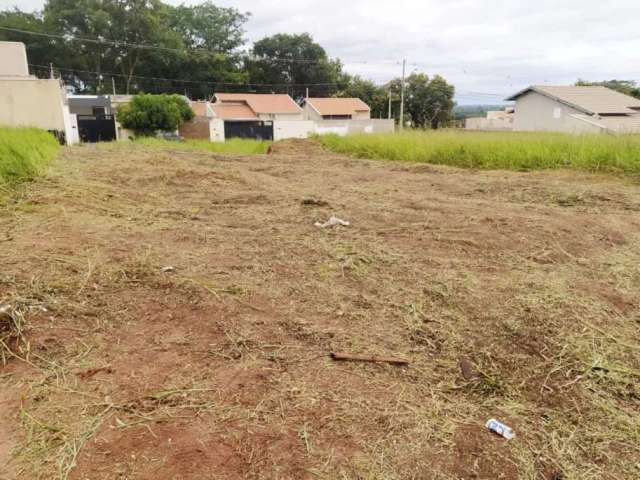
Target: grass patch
[235,145]
[24,153]
[505,150]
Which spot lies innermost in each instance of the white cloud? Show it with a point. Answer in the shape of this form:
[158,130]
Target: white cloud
[484,46]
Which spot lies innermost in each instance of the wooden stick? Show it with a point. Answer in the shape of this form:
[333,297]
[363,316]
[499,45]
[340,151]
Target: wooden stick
[347,357]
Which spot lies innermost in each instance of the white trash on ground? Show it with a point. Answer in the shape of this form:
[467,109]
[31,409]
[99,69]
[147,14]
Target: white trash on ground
[332,222]
[500,428]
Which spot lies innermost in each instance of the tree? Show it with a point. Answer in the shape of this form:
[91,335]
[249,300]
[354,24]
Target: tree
[428,102]
[286,59]
[375,96]
[197,43]
[146,114]
[628,87]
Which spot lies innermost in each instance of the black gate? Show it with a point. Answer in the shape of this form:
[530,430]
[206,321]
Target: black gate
[96,128]
[255,129]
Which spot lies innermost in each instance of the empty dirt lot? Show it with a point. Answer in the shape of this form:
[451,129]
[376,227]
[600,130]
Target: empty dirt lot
[169,314]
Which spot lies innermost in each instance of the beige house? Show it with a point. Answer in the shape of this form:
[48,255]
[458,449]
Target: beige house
[257,106]
[318,109]
[26,101]
[573,109]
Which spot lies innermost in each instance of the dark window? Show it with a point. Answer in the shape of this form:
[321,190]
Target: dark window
[98,111]
[336,117]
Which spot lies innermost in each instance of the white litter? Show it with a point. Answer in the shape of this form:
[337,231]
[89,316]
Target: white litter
[332,222]
[168,269]
[500,428]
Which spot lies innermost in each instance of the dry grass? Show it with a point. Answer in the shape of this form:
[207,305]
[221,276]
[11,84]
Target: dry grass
[220,363]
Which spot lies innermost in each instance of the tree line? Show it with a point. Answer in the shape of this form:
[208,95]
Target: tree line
[149,46]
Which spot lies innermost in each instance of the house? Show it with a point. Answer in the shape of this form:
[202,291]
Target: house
[27,101]
[96,117]
[344,116]
[494,121]
[318,109]
[572,109]
[258,116]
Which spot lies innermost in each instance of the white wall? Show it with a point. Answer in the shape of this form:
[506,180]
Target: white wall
[31,102]
[13,60]
[292,129]
[216,129]
[536,112]
[281,116]
[489,124]
[350,127]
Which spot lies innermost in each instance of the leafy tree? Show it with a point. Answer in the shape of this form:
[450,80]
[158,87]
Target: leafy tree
[373,95]
[146,114]
[428,102]
[628,87]
[295,59]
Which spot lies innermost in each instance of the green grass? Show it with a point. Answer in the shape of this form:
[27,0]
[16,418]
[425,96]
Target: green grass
[24,153]
[234,145]
[505,150]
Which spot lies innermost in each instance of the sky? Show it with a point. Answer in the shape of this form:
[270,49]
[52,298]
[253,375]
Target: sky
[487,49]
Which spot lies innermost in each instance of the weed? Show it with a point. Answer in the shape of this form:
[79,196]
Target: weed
[24,153]
[506,150]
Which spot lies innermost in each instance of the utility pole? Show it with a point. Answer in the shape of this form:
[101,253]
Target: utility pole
[404,65]
[307,95]
[389,117]
[51,70]
[113,84]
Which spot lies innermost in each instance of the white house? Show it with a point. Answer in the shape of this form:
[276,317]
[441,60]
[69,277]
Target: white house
[573,109]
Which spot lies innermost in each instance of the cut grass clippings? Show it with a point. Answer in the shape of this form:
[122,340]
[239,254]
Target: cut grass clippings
[504,150]
[24,153]
[239,146]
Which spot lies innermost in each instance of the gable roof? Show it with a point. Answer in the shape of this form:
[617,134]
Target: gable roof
[240,111]
[199,108]
[262,102]
[590,100]
[338,106]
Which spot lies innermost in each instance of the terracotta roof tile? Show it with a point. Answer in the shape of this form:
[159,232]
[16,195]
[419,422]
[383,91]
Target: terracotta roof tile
[338,106]
[262,103]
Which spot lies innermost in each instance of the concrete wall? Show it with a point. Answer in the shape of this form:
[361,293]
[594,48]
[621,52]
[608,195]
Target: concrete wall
[350,127]
[489,124]
[197,128]
[216,130]
[281,116]
[292,129]
[535,112]
[30,102]
[362,116]
[13,60]
[311,114]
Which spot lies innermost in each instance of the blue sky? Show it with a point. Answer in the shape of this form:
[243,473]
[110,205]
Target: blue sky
[487,49]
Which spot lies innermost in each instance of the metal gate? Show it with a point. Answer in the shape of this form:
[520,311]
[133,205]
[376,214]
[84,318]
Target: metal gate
[96,128]
[255,129]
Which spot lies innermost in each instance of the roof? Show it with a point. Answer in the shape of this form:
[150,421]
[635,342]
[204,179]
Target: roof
[590,100]
[338,106]
[262,102]
[233,112]
[89,100]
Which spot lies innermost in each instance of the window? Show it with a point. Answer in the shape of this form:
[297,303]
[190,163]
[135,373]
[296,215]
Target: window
[336,117]
[99,111]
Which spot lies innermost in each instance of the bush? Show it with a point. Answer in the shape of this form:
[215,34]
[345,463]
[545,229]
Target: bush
[24,152]
[146,114]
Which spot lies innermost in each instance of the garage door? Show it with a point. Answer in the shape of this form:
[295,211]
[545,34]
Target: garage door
[256,130]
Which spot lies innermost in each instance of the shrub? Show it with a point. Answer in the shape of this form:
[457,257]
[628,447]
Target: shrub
[24,152]
[146,114]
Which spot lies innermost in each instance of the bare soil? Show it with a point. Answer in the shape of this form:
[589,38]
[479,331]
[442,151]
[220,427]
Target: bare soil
[180,308]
